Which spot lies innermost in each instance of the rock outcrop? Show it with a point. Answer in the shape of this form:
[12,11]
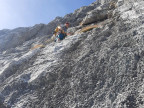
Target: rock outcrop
[99,66]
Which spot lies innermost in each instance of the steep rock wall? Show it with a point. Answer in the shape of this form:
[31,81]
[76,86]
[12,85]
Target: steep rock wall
[100,68]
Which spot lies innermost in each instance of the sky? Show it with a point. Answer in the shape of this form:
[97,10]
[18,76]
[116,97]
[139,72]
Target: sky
[25,13]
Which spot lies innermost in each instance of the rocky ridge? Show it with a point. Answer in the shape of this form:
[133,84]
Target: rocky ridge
[98,68]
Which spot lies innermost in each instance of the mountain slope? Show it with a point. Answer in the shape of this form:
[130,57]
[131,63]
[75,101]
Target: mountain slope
[98,68]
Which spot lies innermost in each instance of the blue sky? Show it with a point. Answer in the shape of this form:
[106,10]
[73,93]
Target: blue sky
[24,13]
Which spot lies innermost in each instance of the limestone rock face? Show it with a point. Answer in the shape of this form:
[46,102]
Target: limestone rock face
[100,13]
[2,101]
[16,37]
[95,16]
[100,68]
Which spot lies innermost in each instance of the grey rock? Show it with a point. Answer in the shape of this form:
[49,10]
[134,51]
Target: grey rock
[72,30]
[100,13]
[95,16]
[2,101]
[101,68]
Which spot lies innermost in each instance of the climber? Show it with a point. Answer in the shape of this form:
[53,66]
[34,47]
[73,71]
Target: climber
[61,32]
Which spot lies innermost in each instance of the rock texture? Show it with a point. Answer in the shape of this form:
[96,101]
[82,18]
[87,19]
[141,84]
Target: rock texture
[100,68]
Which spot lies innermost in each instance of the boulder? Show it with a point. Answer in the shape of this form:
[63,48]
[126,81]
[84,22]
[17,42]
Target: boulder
[95,16]
[100,13]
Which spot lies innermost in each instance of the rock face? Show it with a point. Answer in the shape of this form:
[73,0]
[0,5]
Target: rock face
[2,101]
[100,68]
